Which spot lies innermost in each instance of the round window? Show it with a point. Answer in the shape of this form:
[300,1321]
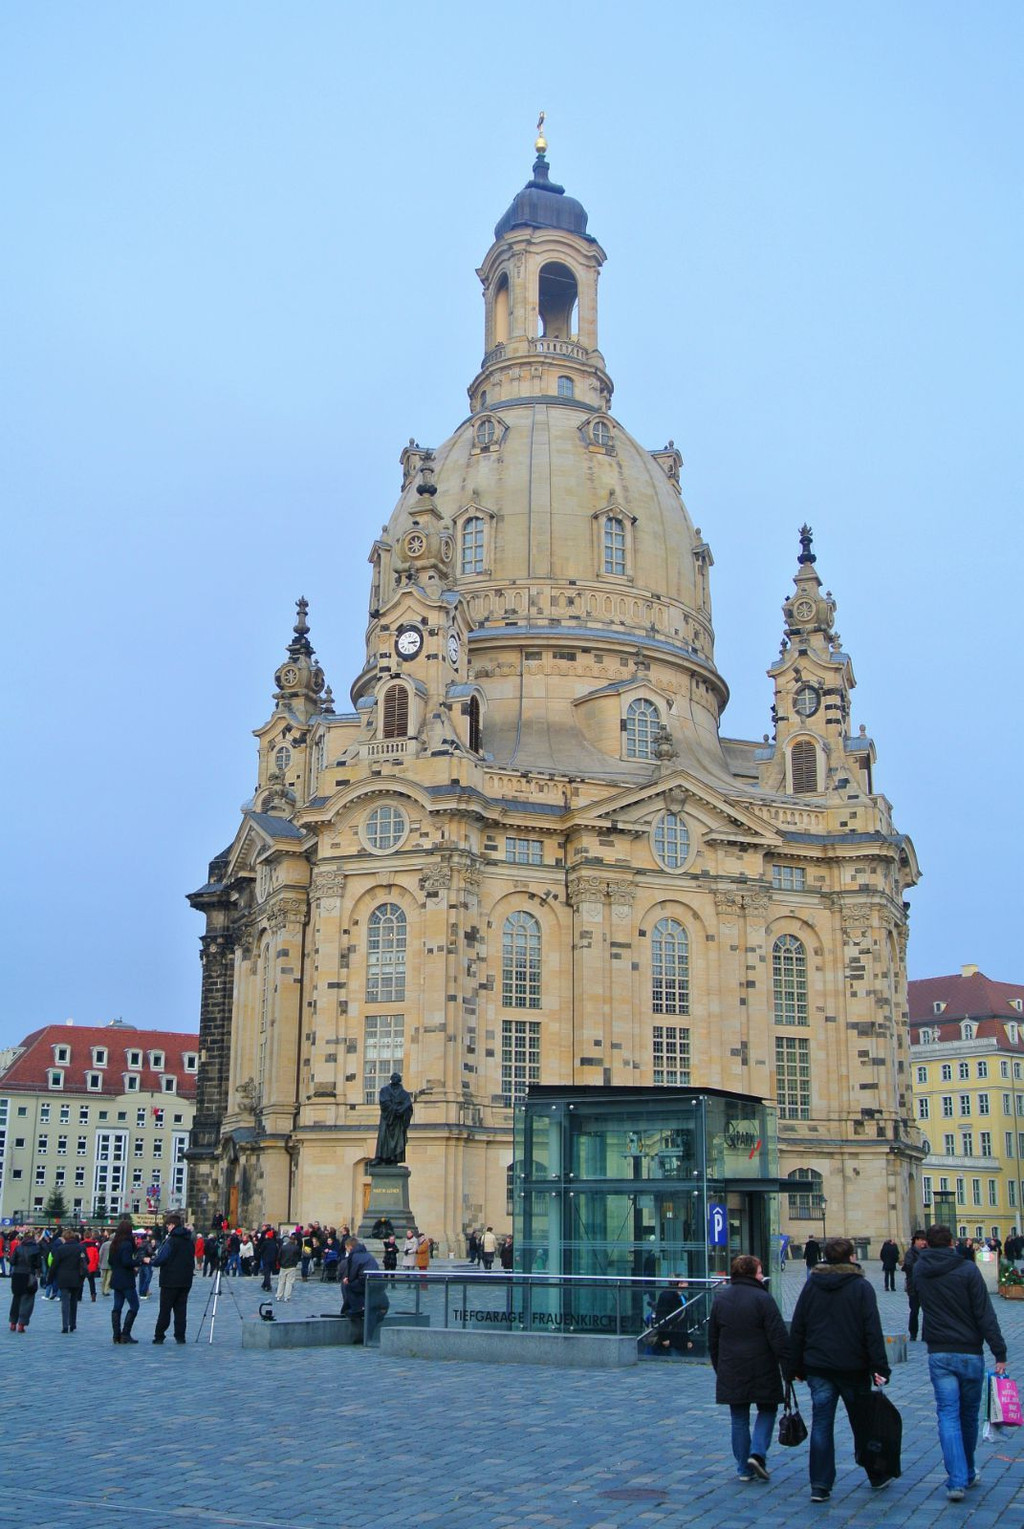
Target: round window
[485,432]
[384,829]
[283,758]
[600,434]
[670,838]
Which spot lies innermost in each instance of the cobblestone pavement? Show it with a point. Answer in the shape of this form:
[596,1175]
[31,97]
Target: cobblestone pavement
[209,1435]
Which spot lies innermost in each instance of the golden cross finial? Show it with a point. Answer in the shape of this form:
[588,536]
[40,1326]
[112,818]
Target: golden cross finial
[542,142]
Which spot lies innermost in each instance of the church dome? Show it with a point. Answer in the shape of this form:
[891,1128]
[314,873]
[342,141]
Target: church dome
[543,204]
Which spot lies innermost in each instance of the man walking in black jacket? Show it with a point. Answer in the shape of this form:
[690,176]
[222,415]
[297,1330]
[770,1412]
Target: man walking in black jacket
[958,1320]
[176,1260]
[918,1243]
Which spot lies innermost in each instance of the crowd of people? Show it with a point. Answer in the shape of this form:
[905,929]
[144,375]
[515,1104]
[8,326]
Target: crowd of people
[836,1345]
[483,1247]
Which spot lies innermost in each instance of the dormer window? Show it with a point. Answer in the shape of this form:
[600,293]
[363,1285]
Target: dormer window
[615,545]
[641,727]
[156,1061]
[485,433]
[99,1056]
[190,1061]
[1018,1004]
[1012,1032]
[968,1030]
[938,1007]
[169,1084]
[94,1081]
[471,545]
[55,1078]
[135,1059]
[601,435]
[62,1055]
[131,1082]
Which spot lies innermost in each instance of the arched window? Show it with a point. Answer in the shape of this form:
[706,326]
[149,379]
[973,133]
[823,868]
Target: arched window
[601,435]
[474,724]
[803,761]
[471,545]
[805,1196]
[502,310]
[520,962]
[557,295]
[485,432]
[566,388]
[642,723]
[396,712]
[283,758]
[615,545]
[386,934]
[789,980]
[670,968]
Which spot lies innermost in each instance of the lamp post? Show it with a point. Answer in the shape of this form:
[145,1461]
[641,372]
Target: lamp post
[824,1204]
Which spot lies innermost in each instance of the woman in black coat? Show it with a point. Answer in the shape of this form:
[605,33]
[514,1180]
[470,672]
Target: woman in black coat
[125,1258]
[747,1341]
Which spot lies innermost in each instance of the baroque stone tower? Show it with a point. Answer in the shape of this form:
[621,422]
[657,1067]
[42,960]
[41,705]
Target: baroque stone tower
[528,853]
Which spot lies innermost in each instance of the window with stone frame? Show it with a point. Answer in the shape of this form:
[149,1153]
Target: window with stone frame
[805,1195]
[614,542]
[396,712]
[471,545]
[520,961]
[383,1049]
[520,1058]
[789,981]
[386,939]
[793,1077]
[670,1050]
[803,761]
[641,726]
[670,968]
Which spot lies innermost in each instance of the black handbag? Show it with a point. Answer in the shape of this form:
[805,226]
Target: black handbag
[792,1428]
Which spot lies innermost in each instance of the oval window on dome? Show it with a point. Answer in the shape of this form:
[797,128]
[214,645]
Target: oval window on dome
[384,829]
[485,432]
[670,840]
[600,434]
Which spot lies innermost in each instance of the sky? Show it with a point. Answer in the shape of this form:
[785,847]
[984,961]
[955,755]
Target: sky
[238,273]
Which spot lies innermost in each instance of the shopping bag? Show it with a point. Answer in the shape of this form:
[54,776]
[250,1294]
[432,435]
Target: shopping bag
[1004,1402]
[792,1428]
[878,1430]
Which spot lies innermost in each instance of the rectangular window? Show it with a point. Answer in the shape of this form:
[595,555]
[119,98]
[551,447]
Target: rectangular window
[944,1185]
[40,1173]
[110,1176]
[169,1084]
[99,1056]
[967,1143]
[1007,1104]
[949,1144]
[62,1054]
[520,1058]
[993,1192]
[156,1061]
[947,1105]
[62,1146]
[135,1059]
[982,1069]
[975,1191]
[922,1109]
[1020,1143]
[383,1048]
[615,545]
[55,1078]
[44,1112]
[1008,1144]
[961,1191]
[79,1177]
[472,545]
[42,1145]
[965,1104]
[158,1117]
[985,1141]
[65,1114]
[524,851]
[94,1082]
[963,1070]
[190,1061]
[1011,1193]
[158,1146]
[83,1114]
[1020,1104]
[139,1146]
[947,1072]
[671,1051]
[59,1177]
[81,1146]
[140,1116]
[179,1167]
[789,878]
[131,1082]
[1016,1069]
[922,1075]
[793,1077]
[136,1178]
[983,1108]
[926,1189]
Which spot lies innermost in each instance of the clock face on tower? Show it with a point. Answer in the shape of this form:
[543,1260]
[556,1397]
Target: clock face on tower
[408,642]
[807,700]
[454,649]
[803,610]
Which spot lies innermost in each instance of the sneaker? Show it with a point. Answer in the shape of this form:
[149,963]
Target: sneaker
[880,1486]
[744,1475]
[820,1494]
[756,1464]
[955,1494]
[975,1479]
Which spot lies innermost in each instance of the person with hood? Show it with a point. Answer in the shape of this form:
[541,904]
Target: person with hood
[26,1271]
[68,1265]
[176,1260]
[356,1292]
[836,1345]
[747,1342]
[958,1320]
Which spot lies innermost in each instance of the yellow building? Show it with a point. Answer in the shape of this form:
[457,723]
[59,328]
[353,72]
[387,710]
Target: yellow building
[528,853]
[967,1054]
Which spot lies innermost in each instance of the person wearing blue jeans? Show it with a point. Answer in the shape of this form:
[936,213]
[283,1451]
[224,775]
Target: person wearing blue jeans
[747,1343]
[837,1346]
[959,1320]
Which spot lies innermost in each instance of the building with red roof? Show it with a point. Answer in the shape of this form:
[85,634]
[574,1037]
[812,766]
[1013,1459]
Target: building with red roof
[967,1067]
[100,1114]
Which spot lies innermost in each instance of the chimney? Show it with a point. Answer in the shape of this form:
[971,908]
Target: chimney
[968,971]
[69,1021]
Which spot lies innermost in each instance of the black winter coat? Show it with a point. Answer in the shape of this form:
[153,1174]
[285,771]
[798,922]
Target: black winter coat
[836,1325]
[889,1253]
[68,1264]
[958,1312]
[123,1265]
[176,1259]
[747,1342]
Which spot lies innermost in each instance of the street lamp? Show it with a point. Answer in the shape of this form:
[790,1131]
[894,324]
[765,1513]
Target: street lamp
[824,1233]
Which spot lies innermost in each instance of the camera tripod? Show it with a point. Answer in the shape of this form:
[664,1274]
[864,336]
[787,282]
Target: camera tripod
[211,1300]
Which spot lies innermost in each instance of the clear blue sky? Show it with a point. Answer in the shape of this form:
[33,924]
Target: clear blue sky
[238,272]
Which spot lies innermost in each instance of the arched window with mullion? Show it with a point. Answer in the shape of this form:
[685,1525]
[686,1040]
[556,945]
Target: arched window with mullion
[789,980]
[386,939]
[471,545]
[615,545]
[520,961]
[642,722]
[670,968]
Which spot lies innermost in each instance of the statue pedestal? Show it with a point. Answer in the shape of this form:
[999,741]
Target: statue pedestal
[389,1196]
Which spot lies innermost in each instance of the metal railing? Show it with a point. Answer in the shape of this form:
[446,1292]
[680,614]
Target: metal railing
[612,1305]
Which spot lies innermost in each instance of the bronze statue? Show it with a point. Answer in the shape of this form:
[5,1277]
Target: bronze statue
[395,1115]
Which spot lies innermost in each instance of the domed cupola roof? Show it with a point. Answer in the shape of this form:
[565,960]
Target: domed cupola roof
[542,204]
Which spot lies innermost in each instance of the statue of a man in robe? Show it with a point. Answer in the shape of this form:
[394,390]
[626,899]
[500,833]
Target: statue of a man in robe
[395,1115]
